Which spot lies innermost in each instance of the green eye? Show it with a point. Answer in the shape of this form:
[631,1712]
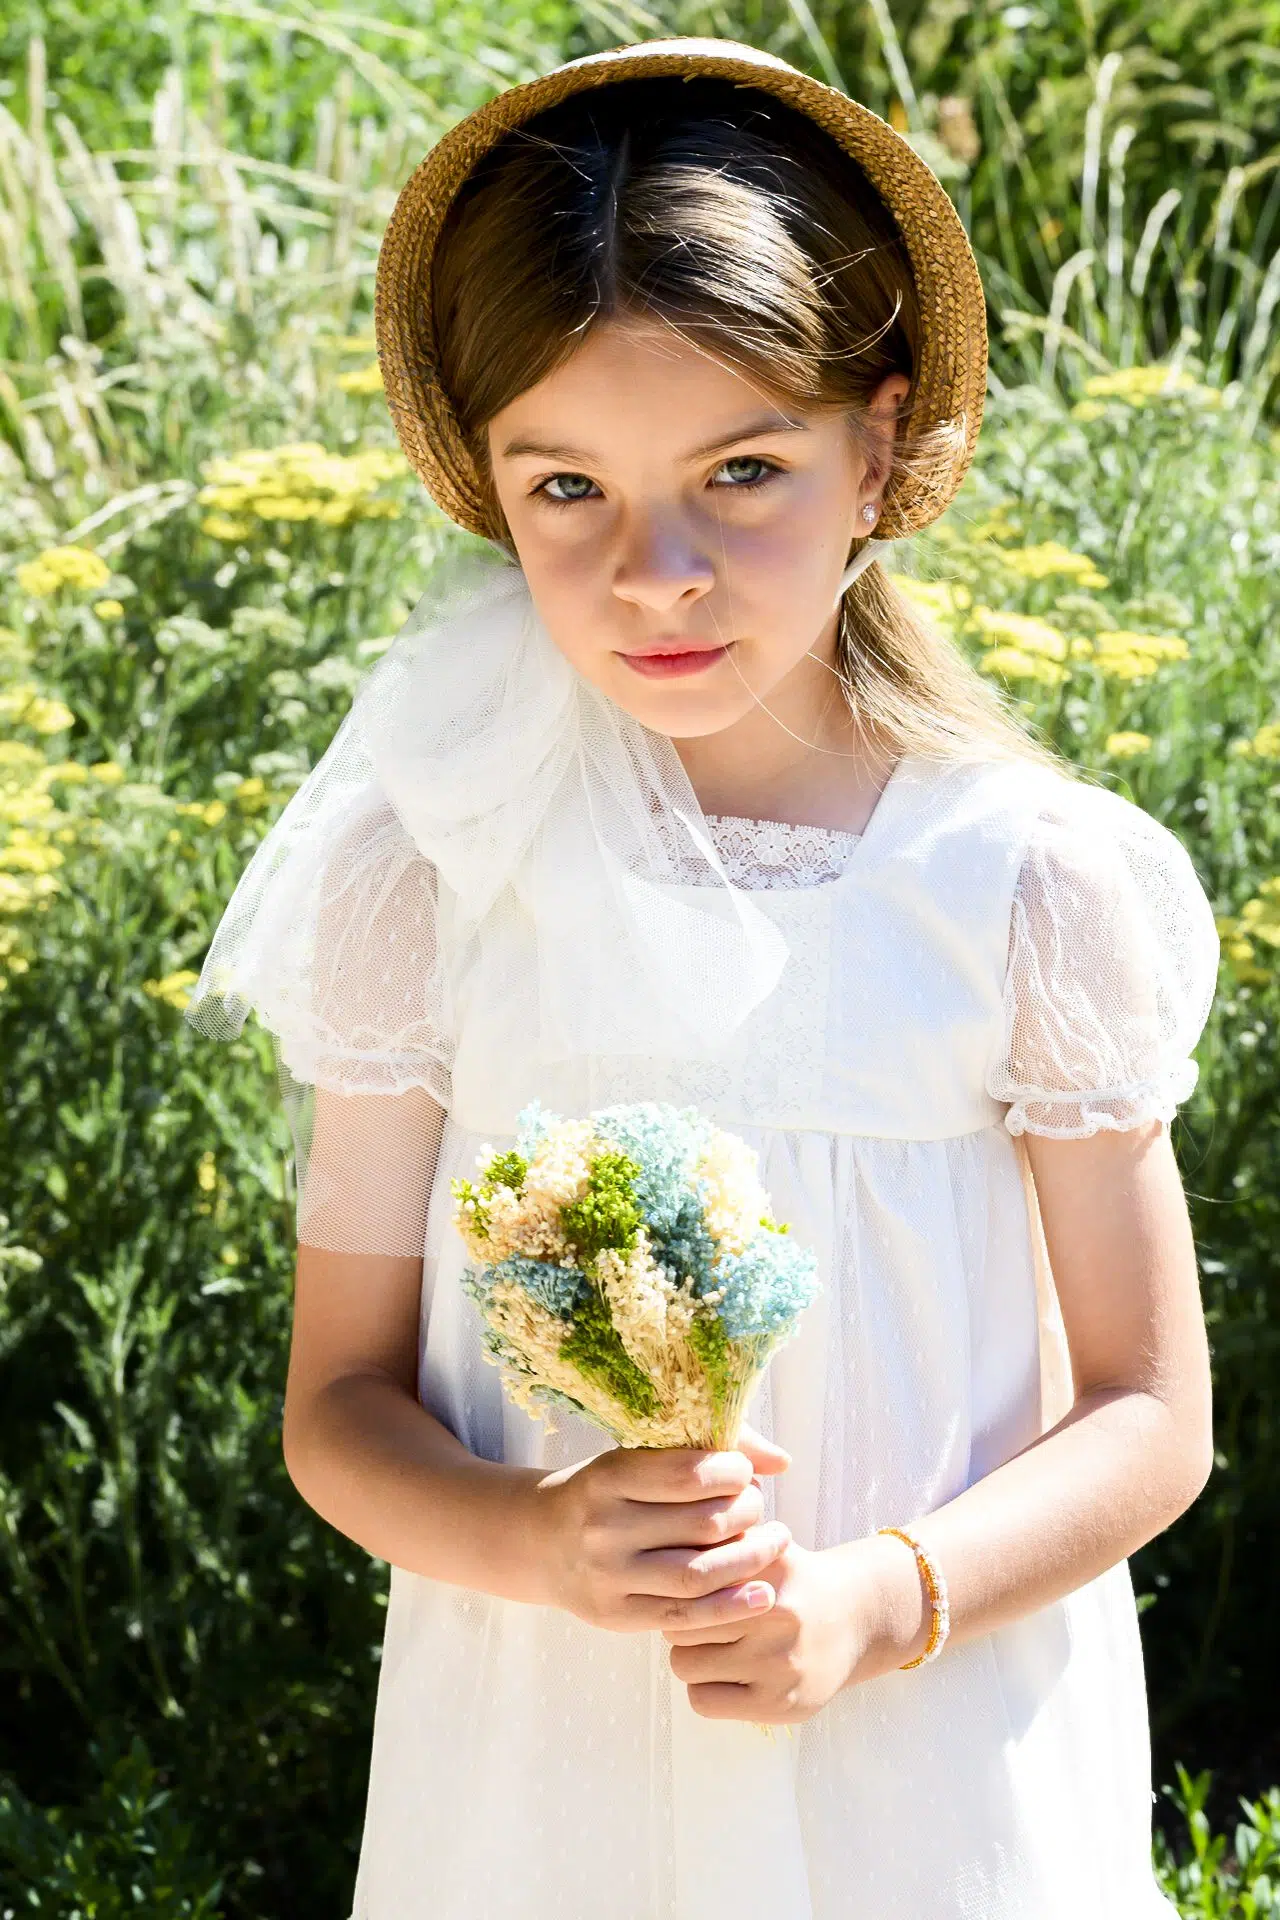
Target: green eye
[574,486]
[760,471]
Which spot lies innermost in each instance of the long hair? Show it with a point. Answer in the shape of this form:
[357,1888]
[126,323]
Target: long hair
[737,222]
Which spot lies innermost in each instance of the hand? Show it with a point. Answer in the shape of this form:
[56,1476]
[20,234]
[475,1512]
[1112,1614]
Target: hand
[829,1628]
[644,1537]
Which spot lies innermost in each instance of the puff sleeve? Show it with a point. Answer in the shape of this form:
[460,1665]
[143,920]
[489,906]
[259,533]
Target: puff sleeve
[1112,966]
[331,938]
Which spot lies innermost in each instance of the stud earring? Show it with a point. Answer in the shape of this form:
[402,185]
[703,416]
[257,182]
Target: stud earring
[868,513]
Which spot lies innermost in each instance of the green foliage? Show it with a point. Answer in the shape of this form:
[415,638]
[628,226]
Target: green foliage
[1221,1880]
[126,1852]
[710,1343]
[595,1348]
[505,1170]
[608,1214]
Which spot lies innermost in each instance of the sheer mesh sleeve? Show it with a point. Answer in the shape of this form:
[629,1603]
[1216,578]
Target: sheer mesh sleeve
[368,1112]
[331,939]
[1112,966]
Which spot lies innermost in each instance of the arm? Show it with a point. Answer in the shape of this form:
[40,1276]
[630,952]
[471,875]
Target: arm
[359,1446]
[1136,1448]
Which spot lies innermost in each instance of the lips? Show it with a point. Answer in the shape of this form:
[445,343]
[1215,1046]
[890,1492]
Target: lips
[674,657]
[673,643]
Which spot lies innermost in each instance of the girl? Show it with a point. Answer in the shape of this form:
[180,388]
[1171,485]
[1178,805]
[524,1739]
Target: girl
[689,804]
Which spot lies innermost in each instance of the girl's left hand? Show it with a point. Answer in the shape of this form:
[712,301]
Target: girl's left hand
[825,1630]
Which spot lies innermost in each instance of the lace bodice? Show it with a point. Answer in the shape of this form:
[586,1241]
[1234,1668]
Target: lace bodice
[774,853]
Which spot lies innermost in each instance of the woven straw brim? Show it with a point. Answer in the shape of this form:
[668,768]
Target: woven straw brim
[951,382]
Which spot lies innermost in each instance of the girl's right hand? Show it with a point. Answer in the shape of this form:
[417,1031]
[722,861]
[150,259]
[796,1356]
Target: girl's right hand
[651,1537]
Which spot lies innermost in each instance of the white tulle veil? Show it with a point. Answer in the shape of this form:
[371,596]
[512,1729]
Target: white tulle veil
[529,792]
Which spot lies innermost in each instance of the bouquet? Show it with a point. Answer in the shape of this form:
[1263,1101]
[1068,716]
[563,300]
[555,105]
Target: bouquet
[629,1267]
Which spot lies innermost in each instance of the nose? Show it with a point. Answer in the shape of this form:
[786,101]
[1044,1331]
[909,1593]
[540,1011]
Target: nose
[662,565]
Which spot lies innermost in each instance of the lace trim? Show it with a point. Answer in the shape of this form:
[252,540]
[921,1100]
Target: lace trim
[760,854]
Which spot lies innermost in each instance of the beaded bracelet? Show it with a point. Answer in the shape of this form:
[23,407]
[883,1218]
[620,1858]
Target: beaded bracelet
[937,1590]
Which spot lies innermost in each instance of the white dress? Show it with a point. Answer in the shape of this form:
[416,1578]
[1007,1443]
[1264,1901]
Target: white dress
[998,951]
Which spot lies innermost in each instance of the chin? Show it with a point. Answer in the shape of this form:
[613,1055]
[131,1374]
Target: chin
[681,714]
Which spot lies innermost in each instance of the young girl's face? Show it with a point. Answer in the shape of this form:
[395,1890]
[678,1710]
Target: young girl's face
[682,532]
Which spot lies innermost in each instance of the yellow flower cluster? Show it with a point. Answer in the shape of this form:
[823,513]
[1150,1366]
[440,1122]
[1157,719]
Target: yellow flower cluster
[1264,745]
[28,707]
[211,812]
[1126,746]
[945,600]
[1122,655]
[301,481]
[1047,559]
[1139,386]
[1257,920]
[362,379]
[31,828]
[174,989]
[1020,647]
[62,567]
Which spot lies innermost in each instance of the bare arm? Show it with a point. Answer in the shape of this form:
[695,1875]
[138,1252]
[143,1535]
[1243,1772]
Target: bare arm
[358,1444]
[1135,1449]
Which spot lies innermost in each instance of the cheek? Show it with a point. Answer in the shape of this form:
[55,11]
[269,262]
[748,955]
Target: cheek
[565,590]
[788,549]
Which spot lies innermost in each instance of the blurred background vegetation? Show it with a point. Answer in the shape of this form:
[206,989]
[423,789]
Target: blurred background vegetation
[207,535]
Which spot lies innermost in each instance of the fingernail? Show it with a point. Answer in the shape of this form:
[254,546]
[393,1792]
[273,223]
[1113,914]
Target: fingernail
[759,1596]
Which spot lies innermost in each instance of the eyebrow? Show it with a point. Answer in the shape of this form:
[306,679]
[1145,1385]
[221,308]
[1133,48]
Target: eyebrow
[751,430]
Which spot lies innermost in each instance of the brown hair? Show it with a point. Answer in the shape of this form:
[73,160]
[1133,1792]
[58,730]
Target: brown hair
[737,221]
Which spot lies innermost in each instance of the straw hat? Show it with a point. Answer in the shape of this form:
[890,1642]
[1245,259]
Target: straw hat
[951,382]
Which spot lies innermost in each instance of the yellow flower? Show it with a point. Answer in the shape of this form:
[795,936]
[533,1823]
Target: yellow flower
[943,599]
[1088,409]
[1124,746]
[30,708]
[69,771]
[362,379]
[107,771]
[1121,655]
[173,989]
[1048,558]
[62,567]
[28,852]
[23,807]
[301,481]
[220,526]
[48,716]
[1001,523]
[1021,631]
[252,793]
[1260,917]
[207,1172]
[17,754]
[1014,664]
[209,811]
[1265,742]
[1138,385]
[17,892]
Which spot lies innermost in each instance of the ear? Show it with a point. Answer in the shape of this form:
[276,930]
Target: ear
[881,418]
